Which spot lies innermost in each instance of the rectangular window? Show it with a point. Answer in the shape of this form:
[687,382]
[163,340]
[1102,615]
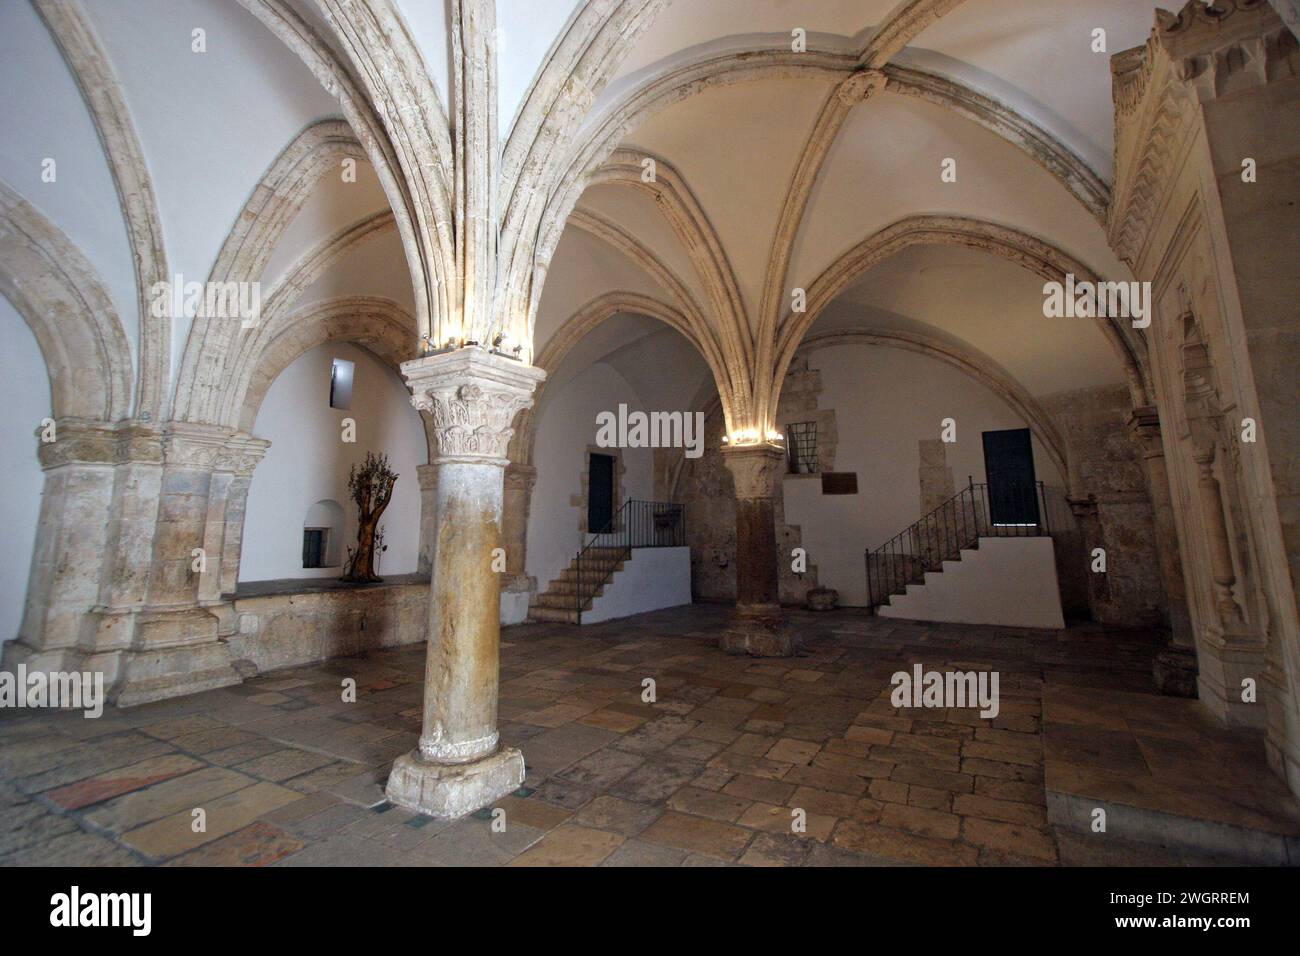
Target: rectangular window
[341,384]
[801,445]
[314,542]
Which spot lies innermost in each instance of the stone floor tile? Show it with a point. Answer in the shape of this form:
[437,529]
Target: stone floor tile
[163,799]
[259,844]
[698,835]
[174,834]
[570,845]
[621,816]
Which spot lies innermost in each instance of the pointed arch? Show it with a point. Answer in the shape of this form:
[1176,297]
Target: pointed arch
[90,66]
[1037,256]
[261,224]
[58,293]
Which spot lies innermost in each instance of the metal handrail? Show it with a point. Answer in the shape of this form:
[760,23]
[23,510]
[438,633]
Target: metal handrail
[637,524]
[957,524]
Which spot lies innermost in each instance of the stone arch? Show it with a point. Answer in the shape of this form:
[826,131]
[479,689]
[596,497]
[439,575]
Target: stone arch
[568,335]
[974,364]
[378,325]
[683,212]
[102,93]
[679,82]
[266,215]
[1037,256]
[57,292]
[277,312]
[419,198]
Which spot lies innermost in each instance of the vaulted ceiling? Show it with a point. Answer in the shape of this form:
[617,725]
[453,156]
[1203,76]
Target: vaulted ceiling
[770,169]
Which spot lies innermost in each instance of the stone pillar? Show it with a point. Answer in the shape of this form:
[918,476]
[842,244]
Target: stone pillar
[757,627]
[114,585]
[1175,666]
[458,765]
[72,535]
[175,642]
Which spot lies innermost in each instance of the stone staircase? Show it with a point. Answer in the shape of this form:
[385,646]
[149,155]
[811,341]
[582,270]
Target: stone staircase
[558,602]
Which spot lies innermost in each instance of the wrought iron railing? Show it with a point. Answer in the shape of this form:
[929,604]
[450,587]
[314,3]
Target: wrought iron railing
[638,524]
[1004,509]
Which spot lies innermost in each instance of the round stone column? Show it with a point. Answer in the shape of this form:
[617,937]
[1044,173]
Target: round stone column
[757,627]
[459,766]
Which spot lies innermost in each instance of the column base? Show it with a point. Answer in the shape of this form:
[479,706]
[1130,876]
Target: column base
[176,653]
[451,790]
[1175,671]
[759,633]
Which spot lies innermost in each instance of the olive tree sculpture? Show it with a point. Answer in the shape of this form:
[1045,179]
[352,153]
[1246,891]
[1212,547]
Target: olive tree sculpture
[371,487]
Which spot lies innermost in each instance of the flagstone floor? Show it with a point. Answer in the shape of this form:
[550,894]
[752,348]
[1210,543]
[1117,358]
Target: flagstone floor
[713,772]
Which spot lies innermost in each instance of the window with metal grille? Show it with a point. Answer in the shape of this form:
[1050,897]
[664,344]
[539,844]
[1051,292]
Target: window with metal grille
[801,444]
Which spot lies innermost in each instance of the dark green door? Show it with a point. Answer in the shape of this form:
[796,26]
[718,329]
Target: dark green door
[1009,465]
[600,493]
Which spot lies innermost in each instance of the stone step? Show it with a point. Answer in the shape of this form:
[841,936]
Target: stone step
[550,614]
[562,600]
[589,571]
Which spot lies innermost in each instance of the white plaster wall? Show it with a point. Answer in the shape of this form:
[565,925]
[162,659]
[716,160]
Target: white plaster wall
[1008,582]
[651,579]
[43,115]
[210,124]
[308,462]
[885,402]
[566,425]
[25,397]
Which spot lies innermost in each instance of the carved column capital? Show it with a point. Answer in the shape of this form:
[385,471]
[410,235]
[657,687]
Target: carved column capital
[473,397]
[755,468]
[212,448]
[81,441]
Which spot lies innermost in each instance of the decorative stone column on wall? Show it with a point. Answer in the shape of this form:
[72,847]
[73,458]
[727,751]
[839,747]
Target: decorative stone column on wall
[1175,666]
[1206,205]
[757,627]
[428,477]
[173,645]
[459,765]
[1086,516]
[517,588]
